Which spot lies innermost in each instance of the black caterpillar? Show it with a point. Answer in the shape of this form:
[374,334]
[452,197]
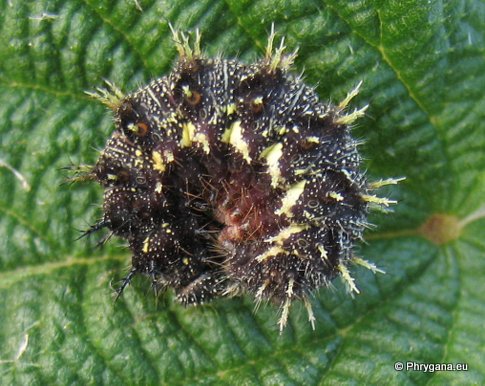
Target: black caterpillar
[228,178]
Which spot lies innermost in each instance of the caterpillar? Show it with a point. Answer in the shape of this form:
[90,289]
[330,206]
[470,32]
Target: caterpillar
[228,178]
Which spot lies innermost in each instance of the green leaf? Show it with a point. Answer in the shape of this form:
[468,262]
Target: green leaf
[422,63]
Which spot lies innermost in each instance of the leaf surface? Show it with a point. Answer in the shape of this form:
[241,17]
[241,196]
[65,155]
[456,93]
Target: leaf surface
[422,64]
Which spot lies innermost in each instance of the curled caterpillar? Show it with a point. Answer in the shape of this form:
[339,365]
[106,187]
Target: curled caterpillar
[228,178]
